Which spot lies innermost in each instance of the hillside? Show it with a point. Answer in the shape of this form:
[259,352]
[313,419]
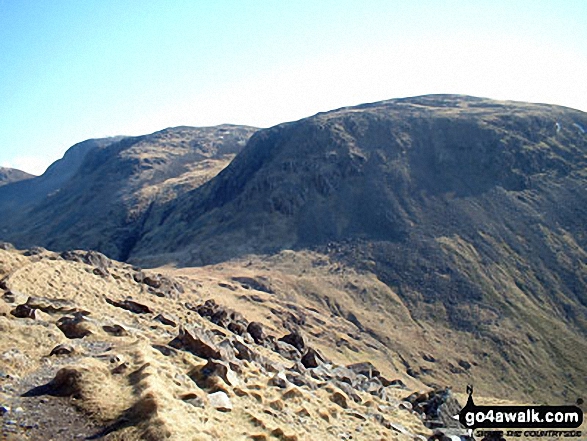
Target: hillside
[9,175]
[471,211]
[98,194]
[97,349]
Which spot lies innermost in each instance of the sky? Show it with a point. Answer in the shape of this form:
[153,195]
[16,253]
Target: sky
[71,70]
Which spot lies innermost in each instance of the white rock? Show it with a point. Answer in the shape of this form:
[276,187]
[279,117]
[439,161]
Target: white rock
[220,401]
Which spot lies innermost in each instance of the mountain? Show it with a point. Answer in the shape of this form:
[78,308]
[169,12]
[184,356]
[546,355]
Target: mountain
[471,211]
[442,236]
[9,175]
[97,195]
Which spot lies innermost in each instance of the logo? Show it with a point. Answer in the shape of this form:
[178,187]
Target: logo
[538,421]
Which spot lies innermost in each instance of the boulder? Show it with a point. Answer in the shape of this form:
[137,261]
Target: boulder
[61,350]
[365,368]
[130,305]
[255,329]
[312,358]
[197,341]
[220,401]
[75,326]
[115,330]
[52,306]
[24,311]
[166,319]
[287,351]
[214,368]
[296,340]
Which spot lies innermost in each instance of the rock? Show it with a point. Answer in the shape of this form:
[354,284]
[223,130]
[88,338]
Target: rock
[350,391]
[92,258]
[130,305]
[465,364]
[364,368]
[220,401]
[121,368]
[9,297]
[4,410]
[340,399]
[287,351]
[61,350]
[255,329]
[372,386]
[193,399]
[312,359]
[438,407]
[237,328]
[399,384]
[166,320]
[214,368]
[429,358]
[345,375]
[254,283]
[296,340]
[116,330]
[279,380]
[52,306]
[244,352]
[23,311]
[74,327]
[197,341]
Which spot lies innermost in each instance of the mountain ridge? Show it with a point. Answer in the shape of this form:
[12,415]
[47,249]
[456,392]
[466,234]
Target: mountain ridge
[469,211]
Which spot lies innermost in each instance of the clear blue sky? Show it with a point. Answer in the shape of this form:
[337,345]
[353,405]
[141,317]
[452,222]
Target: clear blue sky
[77,69]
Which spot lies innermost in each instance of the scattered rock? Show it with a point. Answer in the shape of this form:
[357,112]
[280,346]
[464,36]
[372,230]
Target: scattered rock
[365,368]
[279,380]
[214,368]
[340,399]
[312,359]
[52,306]
[166,319]
[116,330]
[74,327]
[220,401]
[429,358]
[465,364]
[9,297]
[193,399]
[197,341]
[254,283]
[255,329]
[130,305]
[437,406]
[23,311]
[61,350]
[244,352]
[296,340]
[287,351]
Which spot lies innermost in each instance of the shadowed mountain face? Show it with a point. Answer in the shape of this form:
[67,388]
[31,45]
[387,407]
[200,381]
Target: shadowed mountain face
[97,196]
[473,211]
[9,175]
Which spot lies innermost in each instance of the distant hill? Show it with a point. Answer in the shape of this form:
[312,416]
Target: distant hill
[9,175]
[96,196]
